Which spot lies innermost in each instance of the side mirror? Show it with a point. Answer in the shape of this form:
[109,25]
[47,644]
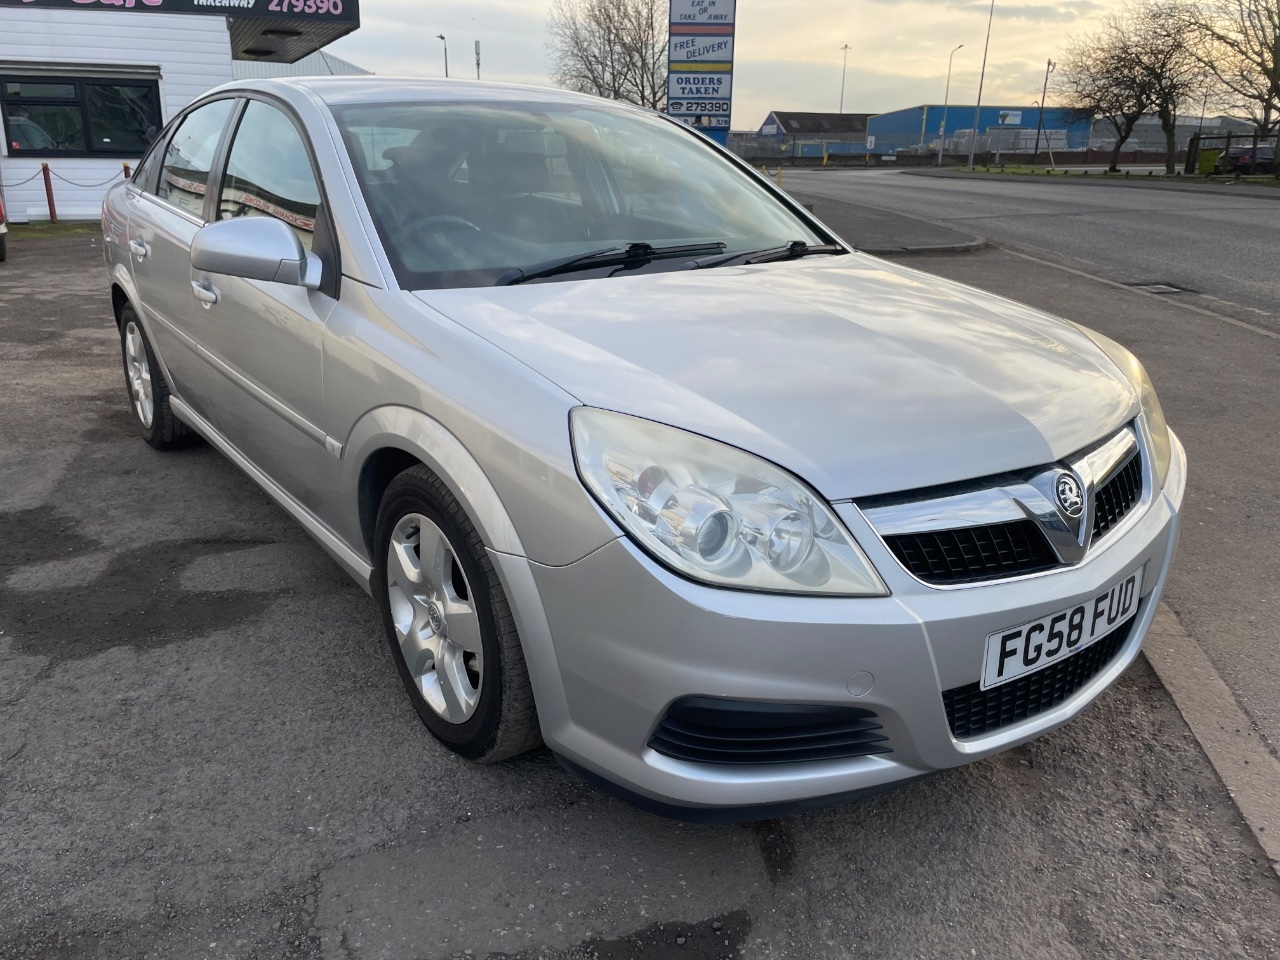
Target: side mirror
[255,248]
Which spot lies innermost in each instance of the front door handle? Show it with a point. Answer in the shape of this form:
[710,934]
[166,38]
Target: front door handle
[139,249]
[205,292]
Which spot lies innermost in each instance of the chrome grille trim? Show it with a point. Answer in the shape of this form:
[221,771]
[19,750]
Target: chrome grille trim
[1007,498]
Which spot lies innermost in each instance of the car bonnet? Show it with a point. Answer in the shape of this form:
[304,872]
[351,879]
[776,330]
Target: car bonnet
[858,375]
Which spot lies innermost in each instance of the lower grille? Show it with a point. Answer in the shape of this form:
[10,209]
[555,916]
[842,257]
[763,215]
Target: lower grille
[972,711]
[711,730]
[1116,497]
[974,553]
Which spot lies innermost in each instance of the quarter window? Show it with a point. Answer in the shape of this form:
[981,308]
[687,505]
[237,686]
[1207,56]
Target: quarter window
[184,178]
[269,173]
[83,117]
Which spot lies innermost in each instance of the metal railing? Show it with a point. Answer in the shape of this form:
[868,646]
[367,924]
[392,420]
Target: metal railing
[755,146]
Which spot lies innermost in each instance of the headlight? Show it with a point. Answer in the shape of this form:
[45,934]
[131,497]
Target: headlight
[1161,448]
[715,513]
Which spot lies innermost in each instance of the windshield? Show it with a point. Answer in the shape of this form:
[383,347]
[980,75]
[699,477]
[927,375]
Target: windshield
[464,193]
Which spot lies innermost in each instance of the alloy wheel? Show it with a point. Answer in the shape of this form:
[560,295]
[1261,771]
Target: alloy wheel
[435,618]
[138,371]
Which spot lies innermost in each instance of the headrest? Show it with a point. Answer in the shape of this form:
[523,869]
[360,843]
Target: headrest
[432,153]
[507,173]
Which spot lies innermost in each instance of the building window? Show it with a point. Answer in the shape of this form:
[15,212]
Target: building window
[79,117]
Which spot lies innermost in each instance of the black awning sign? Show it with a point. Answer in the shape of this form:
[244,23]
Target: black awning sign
[342,11]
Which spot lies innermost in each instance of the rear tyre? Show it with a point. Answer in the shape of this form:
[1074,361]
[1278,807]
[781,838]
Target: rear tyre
[448,623]
[148,390]
[4,248]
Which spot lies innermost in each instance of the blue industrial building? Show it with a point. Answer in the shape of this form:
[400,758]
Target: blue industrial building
[1008,127]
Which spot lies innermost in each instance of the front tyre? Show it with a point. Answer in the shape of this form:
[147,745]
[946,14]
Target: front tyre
[448,623]
[148,389]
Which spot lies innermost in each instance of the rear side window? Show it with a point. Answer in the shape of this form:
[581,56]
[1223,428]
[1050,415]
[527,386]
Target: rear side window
[184,179]
[145,176]
[269,173]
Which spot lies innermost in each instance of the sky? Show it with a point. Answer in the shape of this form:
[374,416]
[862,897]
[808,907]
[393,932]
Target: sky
[787,52]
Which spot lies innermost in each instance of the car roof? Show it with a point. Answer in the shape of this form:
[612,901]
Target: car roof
[375,89]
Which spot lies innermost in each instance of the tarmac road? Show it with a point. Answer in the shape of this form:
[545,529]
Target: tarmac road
[1216,244]
[205,752]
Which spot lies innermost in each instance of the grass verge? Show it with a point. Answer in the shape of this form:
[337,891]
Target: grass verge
[44,230]
[1264,180]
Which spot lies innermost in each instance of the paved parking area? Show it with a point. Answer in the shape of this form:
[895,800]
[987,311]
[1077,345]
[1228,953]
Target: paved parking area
[205,752]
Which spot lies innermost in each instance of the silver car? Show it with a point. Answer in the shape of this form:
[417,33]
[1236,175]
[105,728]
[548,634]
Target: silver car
[638,458]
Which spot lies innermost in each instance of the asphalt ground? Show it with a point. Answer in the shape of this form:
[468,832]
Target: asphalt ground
[877,231]
[205,750]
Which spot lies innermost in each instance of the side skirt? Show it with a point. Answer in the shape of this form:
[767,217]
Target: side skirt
[348,559]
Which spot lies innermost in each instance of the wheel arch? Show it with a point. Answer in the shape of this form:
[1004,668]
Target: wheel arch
[123,292]
[388,440]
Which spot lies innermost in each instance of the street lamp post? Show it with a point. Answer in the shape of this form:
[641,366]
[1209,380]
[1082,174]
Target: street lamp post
[844,68]
[440,36]
[973,140]
[1044,91]
[946,99]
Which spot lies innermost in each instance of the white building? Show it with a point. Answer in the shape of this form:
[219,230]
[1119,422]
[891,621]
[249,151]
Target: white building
[85,89]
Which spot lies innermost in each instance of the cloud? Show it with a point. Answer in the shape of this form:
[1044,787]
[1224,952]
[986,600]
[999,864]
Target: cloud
[1029,12]
[398,37]
[1035,12]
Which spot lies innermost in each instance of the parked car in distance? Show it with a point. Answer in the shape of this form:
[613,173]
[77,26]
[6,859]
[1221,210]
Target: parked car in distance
[29,135]
[638,458]
[1240,160]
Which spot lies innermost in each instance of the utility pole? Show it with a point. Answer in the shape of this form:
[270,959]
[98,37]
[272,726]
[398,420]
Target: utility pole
[843,70]
[446,51]
[946,98]
[477,59]
[973,140]
[1044,92]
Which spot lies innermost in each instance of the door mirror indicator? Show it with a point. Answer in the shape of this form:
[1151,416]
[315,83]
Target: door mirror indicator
[256,248]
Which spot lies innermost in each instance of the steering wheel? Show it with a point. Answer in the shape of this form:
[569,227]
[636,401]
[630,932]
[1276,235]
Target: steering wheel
[438,220]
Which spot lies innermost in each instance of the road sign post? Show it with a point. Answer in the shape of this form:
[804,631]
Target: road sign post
[700,65]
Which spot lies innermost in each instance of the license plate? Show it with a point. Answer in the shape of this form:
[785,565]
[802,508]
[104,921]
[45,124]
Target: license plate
[1033,646]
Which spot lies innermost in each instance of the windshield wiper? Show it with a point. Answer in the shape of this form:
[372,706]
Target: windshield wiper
[609,256]
[792,251]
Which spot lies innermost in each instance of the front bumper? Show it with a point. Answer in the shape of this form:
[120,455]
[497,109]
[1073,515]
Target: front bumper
[614,639]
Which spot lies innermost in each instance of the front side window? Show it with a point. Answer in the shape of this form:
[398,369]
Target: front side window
[269,173]
[464,193]
[184,177]
[79,117]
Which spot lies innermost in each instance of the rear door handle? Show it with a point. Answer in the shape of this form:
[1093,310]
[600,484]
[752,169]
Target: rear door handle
[205,292]
[139,249]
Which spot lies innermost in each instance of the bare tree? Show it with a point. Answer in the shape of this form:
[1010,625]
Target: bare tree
[1142,60]
[1239,43]
[611,48]
[1100,75]
[1169,68]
